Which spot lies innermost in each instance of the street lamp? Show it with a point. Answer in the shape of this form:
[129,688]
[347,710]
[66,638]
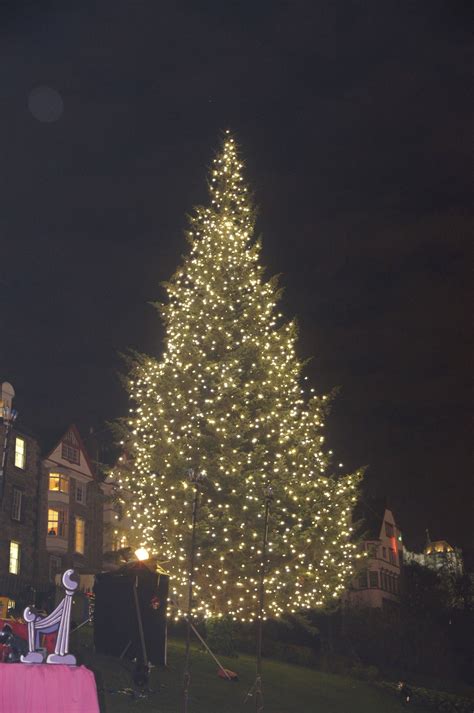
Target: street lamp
[196,478]
[142,554]
[257,689]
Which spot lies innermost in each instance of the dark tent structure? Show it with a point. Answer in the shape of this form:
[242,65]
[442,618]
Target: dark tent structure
[116,619]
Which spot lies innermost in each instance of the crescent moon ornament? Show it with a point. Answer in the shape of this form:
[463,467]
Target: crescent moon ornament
[69,583]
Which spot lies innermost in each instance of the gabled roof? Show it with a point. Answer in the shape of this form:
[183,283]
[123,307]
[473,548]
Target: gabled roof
[368,516]
[74,431]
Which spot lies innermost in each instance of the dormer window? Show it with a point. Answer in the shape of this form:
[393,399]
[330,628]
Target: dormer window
[70,447]
[70,453]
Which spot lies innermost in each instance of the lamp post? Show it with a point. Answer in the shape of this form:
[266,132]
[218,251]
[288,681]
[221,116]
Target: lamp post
[268,494]
[196,478]
[257,686]
[9,417]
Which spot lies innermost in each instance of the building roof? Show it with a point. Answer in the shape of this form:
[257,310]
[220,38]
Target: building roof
[368,517]
[73,428]
[438,546]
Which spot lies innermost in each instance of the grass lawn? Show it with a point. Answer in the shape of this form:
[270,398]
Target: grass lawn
[287,688]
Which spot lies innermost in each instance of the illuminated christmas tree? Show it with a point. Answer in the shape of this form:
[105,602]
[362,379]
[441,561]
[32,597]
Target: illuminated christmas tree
[226,398]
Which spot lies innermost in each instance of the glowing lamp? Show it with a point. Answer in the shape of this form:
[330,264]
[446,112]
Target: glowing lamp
[141,554]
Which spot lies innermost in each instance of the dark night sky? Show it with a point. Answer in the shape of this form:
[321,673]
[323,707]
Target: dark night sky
[354,119]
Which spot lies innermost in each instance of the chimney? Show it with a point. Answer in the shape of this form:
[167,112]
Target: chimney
[6,396]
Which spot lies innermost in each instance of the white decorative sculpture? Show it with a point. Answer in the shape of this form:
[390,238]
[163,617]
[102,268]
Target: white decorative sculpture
[58,621]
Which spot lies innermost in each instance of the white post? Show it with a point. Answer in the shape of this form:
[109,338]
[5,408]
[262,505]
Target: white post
[61,649]
[32,656]
[58,620]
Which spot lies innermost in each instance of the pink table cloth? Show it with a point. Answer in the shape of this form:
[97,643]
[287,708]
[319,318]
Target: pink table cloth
[47,688]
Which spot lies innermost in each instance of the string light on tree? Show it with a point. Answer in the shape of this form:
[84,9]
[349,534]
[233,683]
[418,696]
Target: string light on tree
[227,394]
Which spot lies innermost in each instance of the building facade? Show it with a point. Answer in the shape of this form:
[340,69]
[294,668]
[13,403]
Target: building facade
[72,519]
[21,495]
[377,581]
[438,556]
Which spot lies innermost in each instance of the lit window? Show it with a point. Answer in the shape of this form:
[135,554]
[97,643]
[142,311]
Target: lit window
[16,504]
[70,453]
[54,567]
[14,566]
[58,482]
[20,452]
[80,493]
[80,534]
[57,523]
[11,605]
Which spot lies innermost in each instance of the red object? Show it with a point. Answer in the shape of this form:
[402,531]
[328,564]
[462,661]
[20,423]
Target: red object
[47,688]
[4,651]
[20,629]
[155,603]
[231,675]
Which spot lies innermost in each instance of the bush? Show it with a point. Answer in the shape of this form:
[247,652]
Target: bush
[300,655]
[365,673]
[434,700]
[336,663]
[220,636]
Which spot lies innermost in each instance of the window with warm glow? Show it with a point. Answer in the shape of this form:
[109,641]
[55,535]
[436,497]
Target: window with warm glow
[59,482]
[20,452]
[14,564]
[57,523]
[80,534]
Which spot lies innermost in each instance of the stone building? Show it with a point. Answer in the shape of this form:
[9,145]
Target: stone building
[439,556]
[377,581]
[22,491]
[72,520]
